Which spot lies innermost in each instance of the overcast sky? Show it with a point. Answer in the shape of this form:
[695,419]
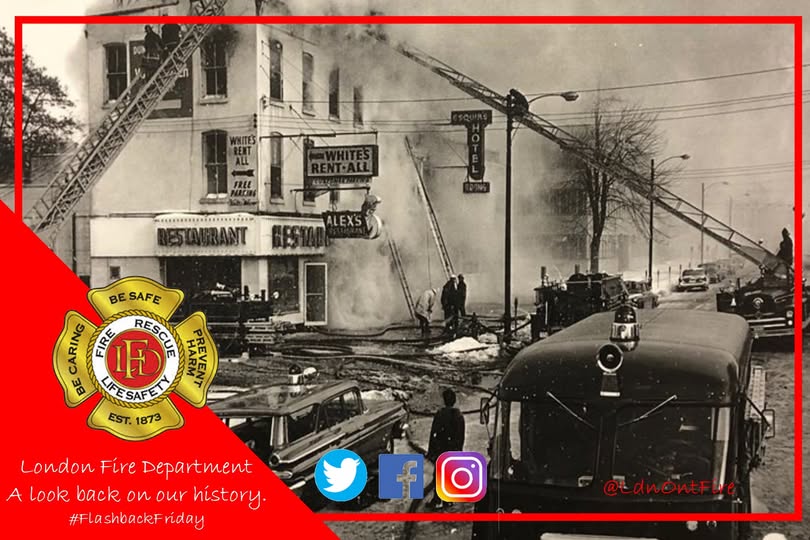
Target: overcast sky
[562,57]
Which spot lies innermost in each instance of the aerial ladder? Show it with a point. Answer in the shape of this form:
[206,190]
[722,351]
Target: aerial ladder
[98,151]
[639,184]
[433,223]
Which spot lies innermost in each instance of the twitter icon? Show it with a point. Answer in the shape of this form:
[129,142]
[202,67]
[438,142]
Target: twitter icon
[340,475]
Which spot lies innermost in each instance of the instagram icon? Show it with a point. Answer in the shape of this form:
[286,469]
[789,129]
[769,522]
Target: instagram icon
[461,476]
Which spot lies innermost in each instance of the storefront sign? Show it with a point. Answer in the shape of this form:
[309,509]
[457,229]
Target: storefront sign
[475,122]
[347,224]
[298,236]
[178,101]
[201,236]
[242,165]
[330,166]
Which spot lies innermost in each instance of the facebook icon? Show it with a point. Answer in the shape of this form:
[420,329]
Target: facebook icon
[402,476]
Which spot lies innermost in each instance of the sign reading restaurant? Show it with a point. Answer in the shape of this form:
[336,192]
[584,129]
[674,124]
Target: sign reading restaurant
[330,166]
[201,236]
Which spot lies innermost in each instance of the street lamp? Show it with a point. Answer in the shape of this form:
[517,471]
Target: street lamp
[703,188]
[516,106]
[652,209]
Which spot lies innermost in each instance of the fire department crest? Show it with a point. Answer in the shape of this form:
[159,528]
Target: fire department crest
[135,359]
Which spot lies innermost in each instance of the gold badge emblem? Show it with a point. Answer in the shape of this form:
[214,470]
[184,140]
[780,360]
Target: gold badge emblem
[135,359]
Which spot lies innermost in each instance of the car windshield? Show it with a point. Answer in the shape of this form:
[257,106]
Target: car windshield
[634,286]
[258,434]
[674,443]
[546,443]
[694,273]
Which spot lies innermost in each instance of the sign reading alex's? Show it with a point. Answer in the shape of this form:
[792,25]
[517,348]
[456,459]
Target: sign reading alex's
[475,122]
[242,164]
[330,166]
[346,224]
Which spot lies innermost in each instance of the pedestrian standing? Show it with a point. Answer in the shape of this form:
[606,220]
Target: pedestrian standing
[446,435]
[462,296]
[424,310]
[786,248]
[450,305]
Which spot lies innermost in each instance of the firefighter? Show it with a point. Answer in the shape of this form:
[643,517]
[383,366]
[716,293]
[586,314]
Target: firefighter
[462,296]
[786,248]
[170,34]
[153,46]
[424,309]
[450,306]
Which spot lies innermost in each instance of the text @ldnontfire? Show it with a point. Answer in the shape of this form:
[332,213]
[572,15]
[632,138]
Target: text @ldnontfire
[613,488]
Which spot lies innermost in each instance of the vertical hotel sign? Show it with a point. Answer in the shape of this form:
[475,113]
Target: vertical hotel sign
[475,122]
[242,173]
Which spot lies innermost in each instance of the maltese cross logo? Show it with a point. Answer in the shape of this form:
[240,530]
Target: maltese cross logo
[135,359]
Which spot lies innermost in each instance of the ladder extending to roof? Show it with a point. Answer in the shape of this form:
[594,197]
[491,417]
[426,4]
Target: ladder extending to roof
[664,198]
[98,151]
[403,279]
[447,264]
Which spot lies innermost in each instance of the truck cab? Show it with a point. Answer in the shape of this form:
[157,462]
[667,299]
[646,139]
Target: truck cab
[289,424]
[655,411]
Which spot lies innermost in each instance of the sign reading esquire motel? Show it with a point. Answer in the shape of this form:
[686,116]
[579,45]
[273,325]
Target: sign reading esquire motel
[331,166]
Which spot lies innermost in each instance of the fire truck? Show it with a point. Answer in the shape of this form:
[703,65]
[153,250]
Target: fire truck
[648,411]
[767,302]
[558,305]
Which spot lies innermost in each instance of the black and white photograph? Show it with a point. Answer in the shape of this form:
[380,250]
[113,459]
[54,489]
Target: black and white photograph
[452,267]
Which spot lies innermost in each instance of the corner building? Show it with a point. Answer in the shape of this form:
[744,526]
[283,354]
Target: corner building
[208,191]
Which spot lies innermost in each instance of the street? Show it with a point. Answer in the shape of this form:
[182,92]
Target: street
[772,483]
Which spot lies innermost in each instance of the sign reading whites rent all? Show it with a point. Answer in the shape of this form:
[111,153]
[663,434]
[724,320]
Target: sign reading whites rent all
[475,122]
[332,166]
[346,224]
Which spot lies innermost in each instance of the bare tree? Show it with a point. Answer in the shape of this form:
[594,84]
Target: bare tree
[617,133]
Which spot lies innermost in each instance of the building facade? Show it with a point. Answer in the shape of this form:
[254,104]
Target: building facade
[209,191]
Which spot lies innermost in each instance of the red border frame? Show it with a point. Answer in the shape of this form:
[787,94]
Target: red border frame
[795,21]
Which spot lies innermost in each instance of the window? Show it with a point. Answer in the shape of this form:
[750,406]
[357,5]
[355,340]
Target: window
[276,167]
[309,194]
[276,82]
[308,64]
[116,68]
[334,93]
[358,105]
[214,67]
[216,163]
[339,409]
[334,197]
[284,281]
[301,423]
[115,273]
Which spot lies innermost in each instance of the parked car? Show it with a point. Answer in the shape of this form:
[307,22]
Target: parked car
[290,423]
[693,279]
[641,295]
[713,271]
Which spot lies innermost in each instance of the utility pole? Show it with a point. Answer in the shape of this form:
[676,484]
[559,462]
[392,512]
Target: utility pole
[702,217]
[507,241]
[652,214]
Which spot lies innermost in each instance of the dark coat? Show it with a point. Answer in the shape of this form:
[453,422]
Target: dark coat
[170,34]
[786,250]
[461,297]
[446,433]
[153,44]
[449,297]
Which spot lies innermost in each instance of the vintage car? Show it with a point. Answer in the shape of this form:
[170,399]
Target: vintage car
[713,271]
[640,294]
[627,412]
[693,279]
[767,302]
[290,424]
